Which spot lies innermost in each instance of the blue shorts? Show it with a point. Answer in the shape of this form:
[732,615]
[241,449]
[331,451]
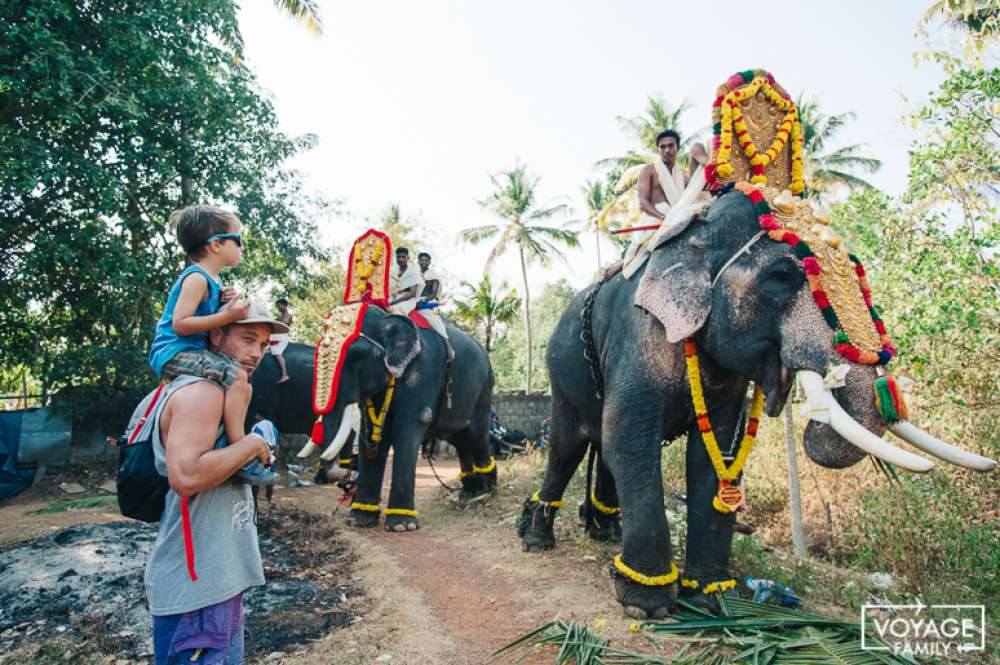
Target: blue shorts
[217,630]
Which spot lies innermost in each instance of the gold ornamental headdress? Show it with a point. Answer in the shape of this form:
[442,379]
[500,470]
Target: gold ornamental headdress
[340,328]
[757,149]
[368,269]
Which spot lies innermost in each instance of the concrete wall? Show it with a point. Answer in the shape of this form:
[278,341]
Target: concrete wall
[522,412]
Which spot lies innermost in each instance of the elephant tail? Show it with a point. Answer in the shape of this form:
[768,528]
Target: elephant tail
[587,508]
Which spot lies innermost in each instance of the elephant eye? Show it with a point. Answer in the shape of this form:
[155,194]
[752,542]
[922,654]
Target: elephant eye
[784,277]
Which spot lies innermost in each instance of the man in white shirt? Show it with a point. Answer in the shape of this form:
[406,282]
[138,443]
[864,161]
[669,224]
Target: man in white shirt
[429,299]
[405,284]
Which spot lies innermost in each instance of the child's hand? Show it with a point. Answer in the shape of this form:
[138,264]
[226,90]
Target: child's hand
[227,293]
[239,309]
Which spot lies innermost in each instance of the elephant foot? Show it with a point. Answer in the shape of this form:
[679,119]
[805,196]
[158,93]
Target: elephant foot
[644,602]
[535,527]
[366,519]
[600,525]
[708,602]
[605,528]
[477,484]
[401,523]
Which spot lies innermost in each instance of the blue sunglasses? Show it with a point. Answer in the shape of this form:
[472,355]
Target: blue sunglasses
[235,237]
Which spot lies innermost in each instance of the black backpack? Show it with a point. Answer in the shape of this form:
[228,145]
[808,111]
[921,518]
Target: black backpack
[142,491]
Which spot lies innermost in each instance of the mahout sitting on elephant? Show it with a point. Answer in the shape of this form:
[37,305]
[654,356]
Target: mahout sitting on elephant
[732,299]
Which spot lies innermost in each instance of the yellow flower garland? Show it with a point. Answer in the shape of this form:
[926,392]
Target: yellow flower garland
[400,511]
[368,507]
[689,584]
[731,117]
[646,580]
[607,510]
[719,587]
[551,504]
[378,420]
[724,473]
[485,469]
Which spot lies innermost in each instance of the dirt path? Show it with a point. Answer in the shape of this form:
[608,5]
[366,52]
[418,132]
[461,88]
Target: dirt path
[451,593]
[460,587]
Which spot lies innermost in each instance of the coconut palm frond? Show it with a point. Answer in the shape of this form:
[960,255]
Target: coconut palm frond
[747,632]
[478,234]
[306,11]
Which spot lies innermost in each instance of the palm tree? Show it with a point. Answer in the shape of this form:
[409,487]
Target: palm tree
[486,306]
[977,18]
[306,11]
[825,171]
[513,201]
[605,210]
[659,115]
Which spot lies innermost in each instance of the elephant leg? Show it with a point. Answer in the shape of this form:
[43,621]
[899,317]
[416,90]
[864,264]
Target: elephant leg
[645,572]
[566,450]
[400,511]
[604,517]
[371,471]
[479,469]
[709,532]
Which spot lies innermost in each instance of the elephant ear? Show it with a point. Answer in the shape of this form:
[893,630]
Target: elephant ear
[401,341]
[676,287]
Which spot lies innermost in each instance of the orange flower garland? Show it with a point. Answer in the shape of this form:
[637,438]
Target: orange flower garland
[728,118]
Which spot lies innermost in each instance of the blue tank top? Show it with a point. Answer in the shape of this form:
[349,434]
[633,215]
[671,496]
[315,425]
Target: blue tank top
[168,343]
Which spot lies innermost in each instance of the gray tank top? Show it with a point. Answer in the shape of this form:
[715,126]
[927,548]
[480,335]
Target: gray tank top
[226,553]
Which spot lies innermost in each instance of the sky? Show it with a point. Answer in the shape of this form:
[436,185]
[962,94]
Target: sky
[419,101]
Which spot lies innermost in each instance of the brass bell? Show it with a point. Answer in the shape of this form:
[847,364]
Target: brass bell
[784,202]
[819,213]
[830,237]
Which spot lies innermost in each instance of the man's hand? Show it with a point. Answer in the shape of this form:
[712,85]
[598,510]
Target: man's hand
[227,293]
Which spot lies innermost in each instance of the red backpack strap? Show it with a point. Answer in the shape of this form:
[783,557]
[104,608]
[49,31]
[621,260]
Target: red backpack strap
[149,409]
[188,538]
[185,509]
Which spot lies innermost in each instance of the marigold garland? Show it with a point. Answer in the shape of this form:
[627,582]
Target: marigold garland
[812,269]
[551,504]
[689,584]
[485,469]
[719,587]
[367,507]
[400,511]
[646,580]
[727,119]
[731,473]
[379,420]
[607,510]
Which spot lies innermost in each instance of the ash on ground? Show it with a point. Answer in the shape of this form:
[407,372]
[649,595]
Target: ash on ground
[85,583]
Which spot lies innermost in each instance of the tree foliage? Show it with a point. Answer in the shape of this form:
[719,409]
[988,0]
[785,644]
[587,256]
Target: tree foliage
[112,114]
[826,168]
[483,307]
[513,201]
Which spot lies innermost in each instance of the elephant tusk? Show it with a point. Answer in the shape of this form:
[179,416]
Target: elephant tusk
[349,422]
[924,441]
[307,449]
[824,405]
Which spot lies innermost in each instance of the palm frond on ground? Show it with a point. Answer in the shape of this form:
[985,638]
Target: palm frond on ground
[747,633]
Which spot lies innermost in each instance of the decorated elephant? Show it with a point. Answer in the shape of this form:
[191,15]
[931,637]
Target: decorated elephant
[397,373]
[734,297]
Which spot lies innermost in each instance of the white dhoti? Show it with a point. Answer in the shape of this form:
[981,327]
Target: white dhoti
[403,307]
[436,322]
[279,342]
[693,200]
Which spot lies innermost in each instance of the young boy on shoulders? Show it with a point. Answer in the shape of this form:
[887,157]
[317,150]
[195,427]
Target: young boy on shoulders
[211,238]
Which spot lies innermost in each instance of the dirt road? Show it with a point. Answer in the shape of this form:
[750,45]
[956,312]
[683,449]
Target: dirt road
[460,587]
